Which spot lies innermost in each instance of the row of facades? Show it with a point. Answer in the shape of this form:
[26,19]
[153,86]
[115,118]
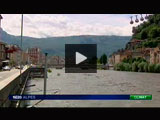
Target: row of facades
[13,53]
[152,55]
[30,56]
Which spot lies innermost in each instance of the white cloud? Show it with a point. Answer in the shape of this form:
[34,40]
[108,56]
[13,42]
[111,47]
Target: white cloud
[36,25]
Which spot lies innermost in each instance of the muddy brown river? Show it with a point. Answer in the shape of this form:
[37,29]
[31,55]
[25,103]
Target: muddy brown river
[102,82]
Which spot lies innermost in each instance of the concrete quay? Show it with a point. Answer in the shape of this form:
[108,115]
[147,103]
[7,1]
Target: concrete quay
[10,83]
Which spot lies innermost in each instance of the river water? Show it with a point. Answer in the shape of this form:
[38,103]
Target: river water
[102,82]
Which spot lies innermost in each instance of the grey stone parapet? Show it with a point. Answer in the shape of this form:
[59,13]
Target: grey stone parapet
[11,85]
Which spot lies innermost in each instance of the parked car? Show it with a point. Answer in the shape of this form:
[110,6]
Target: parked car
[5,65]
[6,68]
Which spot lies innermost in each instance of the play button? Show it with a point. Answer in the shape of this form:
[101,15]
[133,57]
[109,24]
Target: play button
[80,58]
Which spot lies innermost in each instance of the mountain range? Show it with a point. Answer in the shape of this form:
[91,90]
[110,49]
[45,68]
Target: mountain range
[56,45]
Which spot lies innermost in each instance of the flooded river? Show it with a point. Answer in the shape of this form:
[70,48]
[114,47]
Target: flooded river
[102,82]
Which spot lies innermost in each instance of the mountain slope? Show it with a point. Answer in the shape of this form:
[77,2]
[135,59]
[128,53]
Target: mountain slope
[56,45]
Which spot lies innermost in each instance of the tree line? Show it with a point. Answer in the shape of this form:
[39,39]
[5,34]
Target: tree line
[103,59]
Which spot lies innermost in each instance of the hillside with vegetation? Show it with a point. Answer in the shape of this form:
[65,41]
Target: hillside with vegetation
[149,31]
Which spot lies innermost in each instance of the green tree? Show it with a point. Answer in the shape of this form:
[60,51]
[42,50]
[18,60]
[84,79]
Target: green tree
[144,34]
[146,67]
[135,66]
[156,18]
[157,68]
[103,59]
[125,60]
[98,61]
[141,67]
[154,32]
[121,66]
[151,44]
[127,66]
[151,68]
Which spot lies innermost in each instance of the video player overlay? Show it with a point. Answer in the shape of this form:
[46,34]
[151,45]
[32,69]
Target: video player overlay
[80,58]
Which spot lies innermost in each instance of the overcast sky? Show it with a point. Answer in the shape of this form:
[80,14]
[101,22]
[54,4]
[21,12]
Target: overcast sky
[50,25]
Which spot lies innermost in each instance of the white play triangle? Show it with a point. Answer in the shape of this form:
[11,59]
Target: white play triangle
[80,58]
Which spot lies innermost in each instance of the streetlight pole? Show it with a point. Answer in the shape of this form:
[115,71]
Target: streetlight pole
[21,49]
[45,74]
